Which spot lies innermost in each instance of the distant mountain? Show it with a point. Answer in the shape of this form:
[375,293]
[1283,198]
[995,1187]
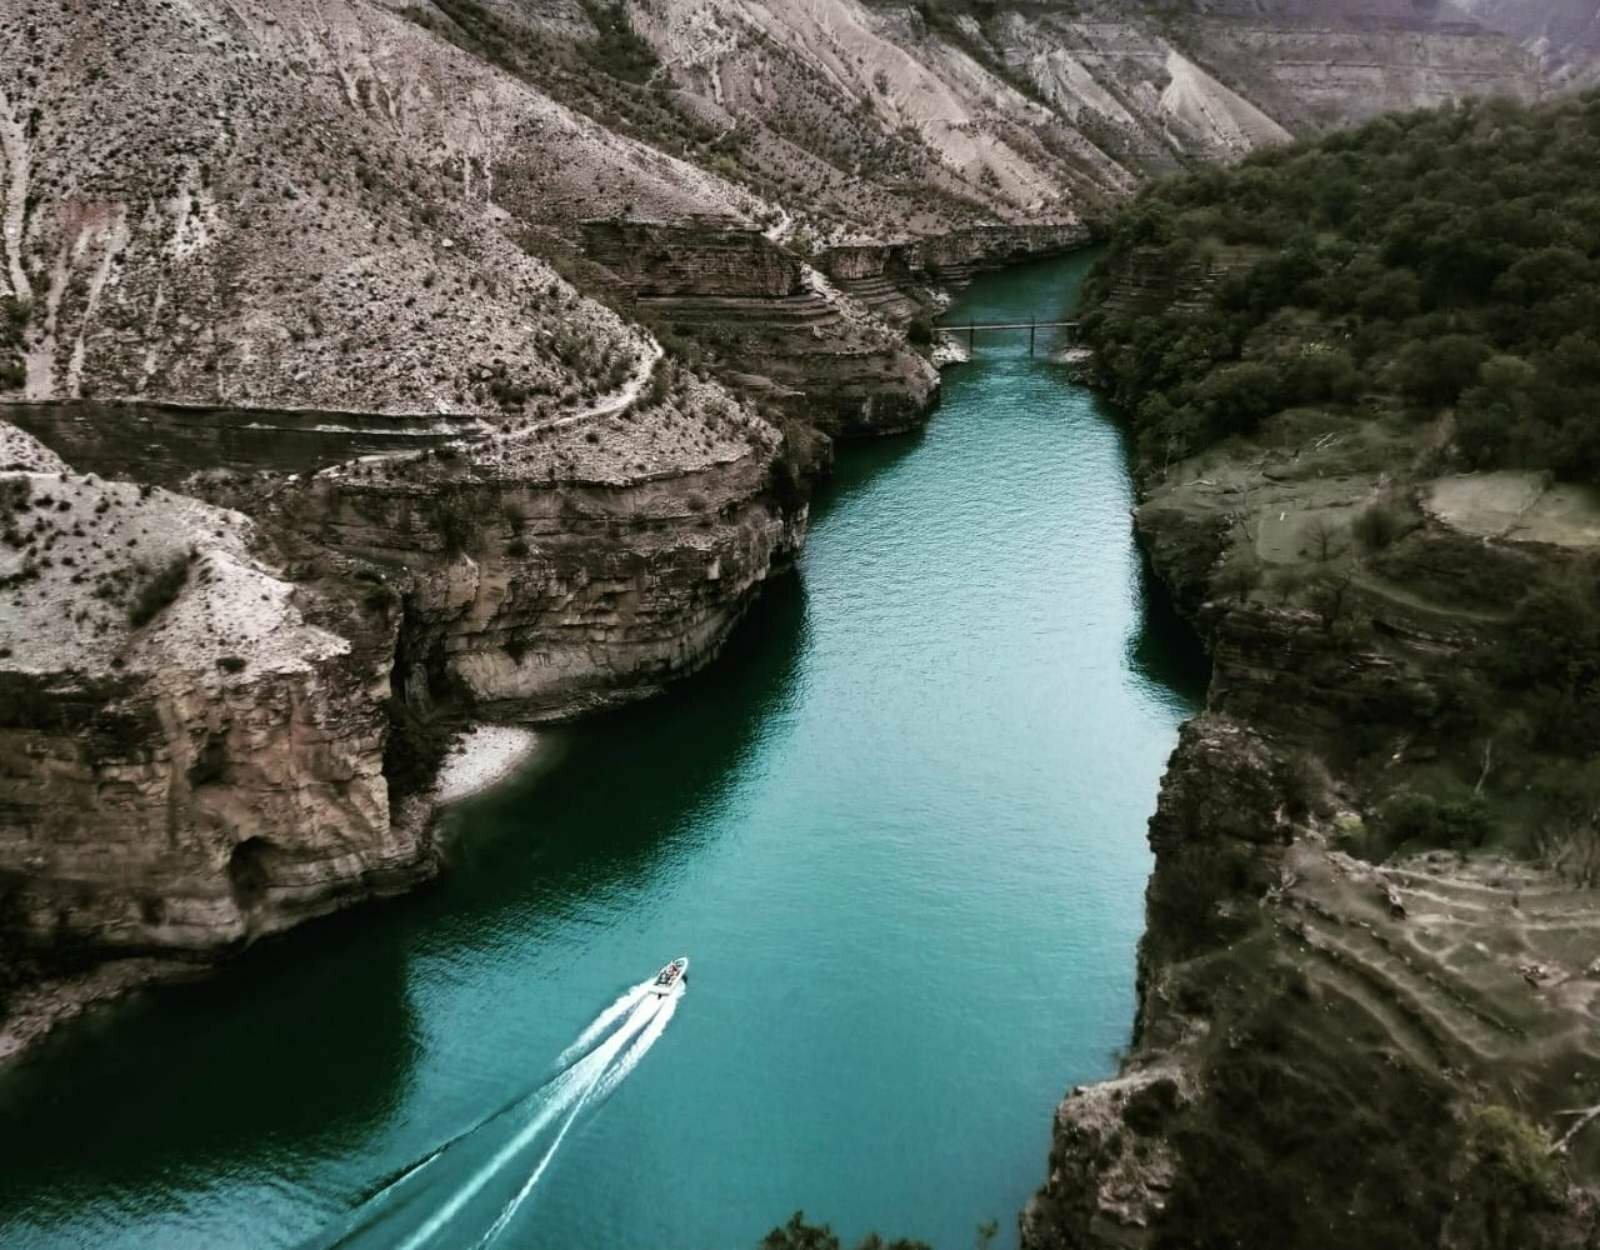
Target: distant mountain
[353,203]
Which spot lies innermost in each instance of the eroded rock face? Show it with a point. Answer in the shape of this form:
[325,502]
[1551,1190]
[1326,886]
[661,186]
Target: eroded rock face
[568,565]
[192,742]
[1218,833]
[693,258]
[536,597]
[199,708]
[1421,1000]
[756,309]
[1109,1168]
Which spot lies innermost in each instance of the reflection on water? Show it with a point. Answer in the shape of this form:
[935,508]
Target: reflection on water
[1165,651]
[898,828]
[182,1070]
[644,776]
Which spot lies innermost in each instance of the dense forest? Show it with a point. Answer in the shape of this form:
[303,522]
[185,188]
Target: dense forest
[1446,260]
[1433,278]
[1320,335]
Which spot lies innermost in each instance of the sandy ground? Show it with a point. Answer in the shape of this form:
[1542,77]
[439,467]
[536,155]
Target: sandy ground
[483,757]
[1518,504]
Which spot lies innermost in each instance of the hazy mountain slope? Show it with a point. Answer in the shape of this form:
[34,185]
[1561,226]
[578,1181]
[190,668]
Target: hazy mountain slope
[341,204]
[1564,34]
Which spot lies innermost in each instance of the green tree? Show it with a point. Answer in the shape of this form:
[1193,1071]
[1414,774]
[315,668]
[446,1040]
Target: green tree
[1237,397]
[797,1234]
[1434,372]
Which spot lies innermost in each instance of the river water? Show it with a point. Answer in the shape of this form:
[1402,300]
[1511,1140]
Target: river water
[898,827]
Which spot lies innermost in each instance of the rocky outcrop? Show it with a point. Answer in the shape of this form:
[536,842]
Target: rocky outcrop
[1218,833]
[770,323]
[1299,1005]
[547,576]
[1303,963]
[192,736]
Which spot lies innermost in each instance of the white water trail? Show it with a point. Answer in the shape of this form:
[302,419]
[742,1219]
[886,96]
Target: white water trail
[597,1029]
[573,1084]
[599,1090]
[636,1052]
[403,1177]
[533,1177]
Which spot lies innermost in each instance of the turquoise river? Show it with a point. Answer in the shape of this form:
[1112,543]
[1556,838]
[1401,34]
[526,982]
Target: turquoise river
[898,827]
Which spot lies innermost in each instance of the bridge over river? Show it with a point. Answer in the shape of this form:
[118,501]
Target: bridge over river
[1032,327]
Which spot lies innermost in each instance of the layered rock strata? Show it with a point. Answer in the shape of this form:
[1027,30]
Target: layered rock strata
[192,735]
[557,572]
[1300,1003]
[775,324]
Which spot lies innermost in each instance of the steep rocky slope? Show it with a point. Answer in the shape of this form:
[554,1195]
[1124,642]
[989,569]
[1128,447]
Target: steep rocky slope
[301,214]
[1340,1039]
[192,730]
[1371,974]
[535,314]
[286,204]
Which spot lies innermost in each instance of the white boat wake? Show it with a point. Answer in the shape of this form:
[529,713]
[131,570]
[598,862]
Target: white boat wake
[626,1001]
[589,1071]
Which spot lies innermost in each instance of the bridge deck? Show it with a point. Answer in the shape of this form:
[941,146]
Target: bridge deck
[1032,327]
[966,326]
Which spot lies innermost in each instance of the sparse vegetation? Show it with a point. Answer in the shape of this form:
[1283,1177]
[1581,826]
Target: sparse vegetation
[151,597]
[617,49]
[14,314]
[797,1234]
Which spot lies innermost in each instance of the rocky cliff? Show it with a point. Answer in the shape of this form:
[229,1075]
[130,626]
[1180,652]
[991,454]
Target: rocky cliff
[192,731]
[1367,989]
[573,566]
[1329,1034]
[767,321]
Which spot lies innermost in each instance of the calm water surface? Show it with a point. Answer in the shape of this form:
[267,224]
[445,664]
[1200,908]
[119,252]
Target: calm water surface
[898,827]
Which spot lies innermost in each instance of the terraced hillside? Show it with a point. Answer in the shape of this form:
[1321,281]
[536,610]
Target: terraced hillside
[1371,977]
[348,205]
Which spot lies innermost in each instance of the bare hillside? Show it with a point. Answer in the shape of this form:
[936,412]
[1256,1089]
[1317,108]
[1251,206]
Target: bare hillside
[351,204]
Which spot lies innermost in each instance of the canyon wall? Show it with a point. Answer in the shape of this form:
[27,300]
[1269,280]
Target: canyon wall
[192,730]
[770,323]
[1348,1024]
[549,577]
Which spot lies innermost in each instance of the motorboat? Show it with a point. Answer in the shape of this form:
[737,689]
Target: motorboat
[670,980]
